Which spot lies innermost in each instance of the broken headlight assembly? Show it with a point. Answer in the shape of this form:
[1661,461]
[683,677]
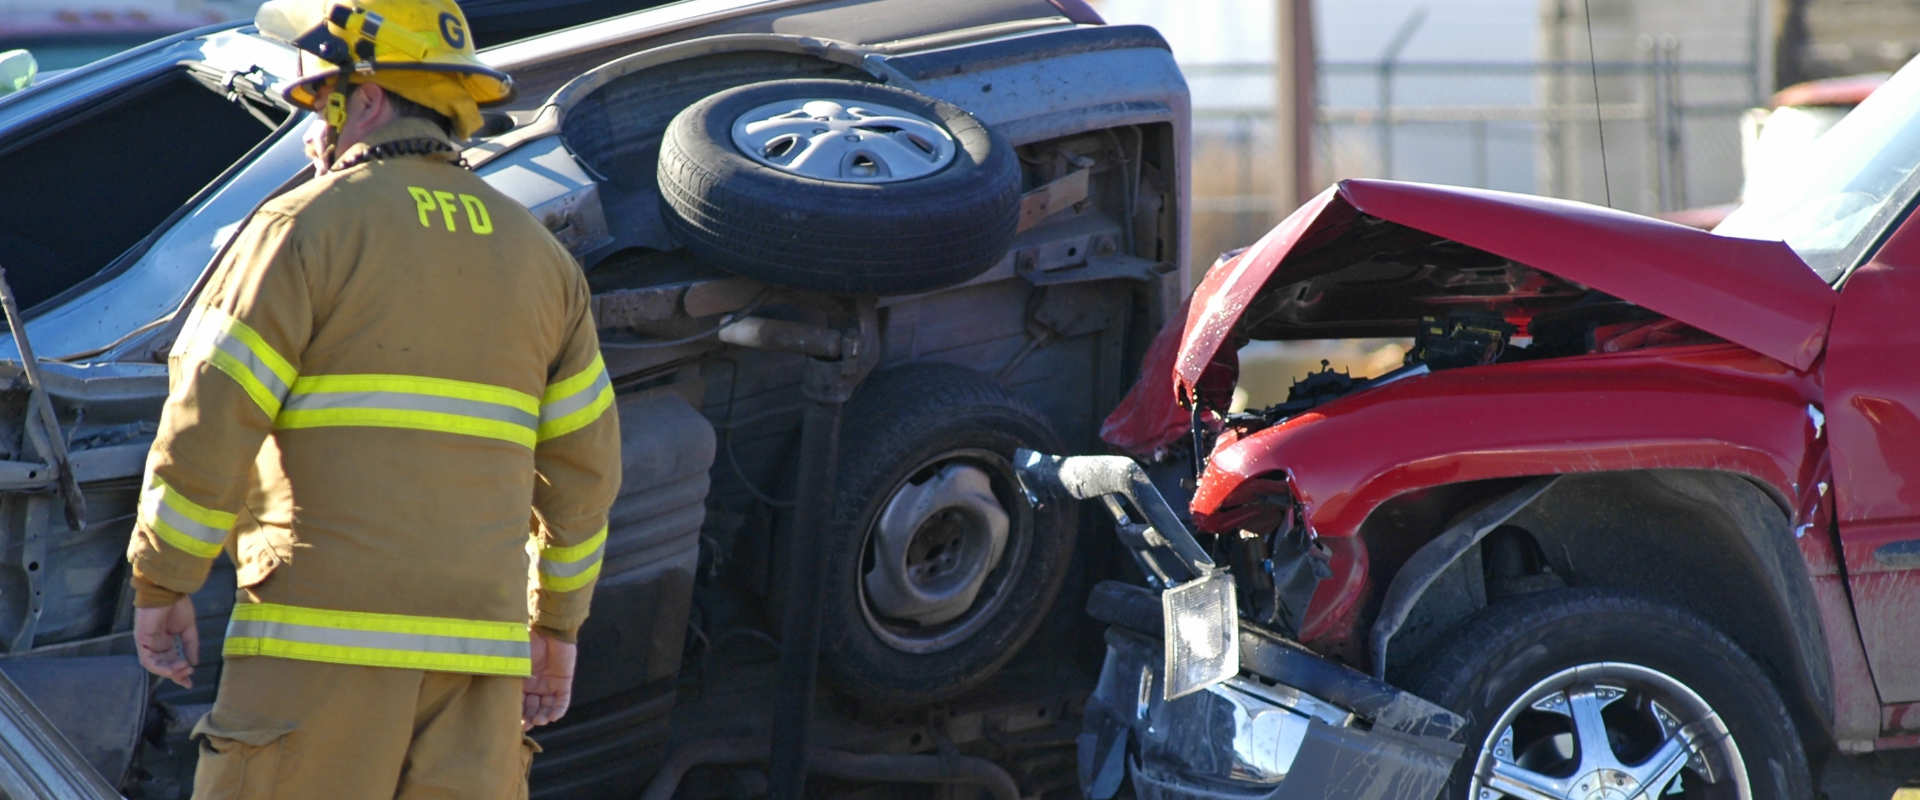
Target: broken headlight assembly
[1199,606]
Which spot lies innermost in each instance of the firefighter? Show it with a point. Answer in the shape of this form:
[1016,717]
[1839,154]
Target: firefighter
[391,370]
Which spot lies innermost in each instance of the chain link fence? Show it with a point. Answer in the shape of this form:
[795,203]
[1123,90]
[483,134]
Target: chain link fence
[1671,132]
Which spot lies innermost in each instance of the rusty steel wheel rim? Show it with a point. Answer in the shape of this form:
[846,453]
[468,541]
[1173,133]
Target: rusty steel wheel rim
[935,566]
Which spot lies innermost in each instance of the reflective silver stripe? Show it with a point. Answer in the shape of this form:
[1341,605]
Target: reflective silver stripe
[184,524]
[377,640]
[239,351]
[568,569]
[408,401]
[576,401]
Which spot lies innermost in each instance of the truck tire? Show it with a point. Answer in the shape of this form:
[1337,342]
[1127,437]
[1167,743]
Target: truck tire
[839,186]
[938,569]
[1586,693]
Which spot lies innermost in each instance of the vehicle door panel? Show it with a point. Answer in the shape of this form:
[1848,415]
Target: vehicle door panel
[1873,419]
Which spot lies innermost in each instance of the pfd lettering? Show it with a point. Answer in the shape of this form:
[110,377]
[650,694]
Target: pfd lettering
[446,208]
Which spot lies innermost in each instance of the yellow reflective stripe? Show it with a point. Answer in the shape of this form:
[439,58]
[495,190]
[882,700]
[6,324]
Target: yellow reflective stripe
[564,569]
[575,552]
[574,384]
[262,396]
[416,384]
[568,583]
[576,401]
[182,523]
[379,640]
[554,429]
[375,657]
[191,510]
[236,349]
[414,420]
[265,352]
[183,542]
[441,405]
[382,623]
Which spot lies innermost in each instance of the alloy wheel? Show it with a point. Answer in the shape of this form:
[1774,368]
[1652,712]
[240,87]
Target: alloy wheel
[1609,731]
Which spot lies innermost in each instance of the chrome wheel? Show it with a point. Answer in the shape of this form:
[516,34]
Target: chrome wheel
[847,141]
[932,570]
[1609,731]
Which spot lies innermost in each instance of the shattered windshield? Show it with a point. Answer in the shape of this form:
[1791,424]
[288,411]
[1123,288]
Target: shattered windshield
[1822,205]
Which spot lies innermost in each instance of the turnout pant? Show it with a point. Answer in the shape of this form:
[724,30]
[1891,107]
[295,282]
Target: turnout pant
[292,730]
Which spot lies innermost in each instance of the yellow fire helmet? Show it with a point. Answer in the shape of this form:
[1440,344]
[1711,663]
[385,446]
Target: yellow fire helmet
[420,49]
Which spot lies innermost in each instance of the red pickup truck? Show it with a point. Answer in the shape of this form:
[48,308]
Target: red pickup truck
[1643,504]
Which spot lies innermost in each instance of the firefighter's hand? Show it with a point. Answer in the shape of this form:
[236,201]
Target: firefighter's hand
[550,690]
[162,634]
[313,137]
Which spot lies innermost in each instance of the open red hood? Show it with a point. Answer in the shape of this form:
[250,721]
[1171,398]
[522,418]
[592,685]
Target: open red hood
[1369,258]
[1756,294]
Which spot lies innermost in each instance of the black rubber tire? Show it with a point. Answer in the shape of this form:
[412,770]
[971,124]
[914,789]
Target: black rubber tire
[898,420]
[1510,646]
[893,238]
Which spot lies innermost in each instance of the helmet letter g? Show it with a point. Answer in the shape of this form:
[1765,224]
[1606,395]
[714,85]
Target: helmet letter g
[452,31]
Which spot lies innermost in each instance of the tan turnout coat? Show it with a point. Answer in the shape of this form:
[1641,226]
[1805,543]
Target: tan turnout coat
[392,370]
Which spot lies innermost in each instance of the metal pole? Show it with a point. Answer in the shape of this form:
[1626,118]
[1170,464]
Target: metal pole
[1655,185]
[1243,183]
[1285,129]
[1383,126]
[1306,100]
[1559,94]
[1295,110]
[1675,111]
[1759,51]
[1388,57]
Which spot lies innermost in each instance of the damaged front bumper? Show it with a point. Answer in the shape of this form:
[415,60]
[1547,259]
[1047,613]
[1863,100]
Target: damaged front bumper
[1255,735]
[1274,720]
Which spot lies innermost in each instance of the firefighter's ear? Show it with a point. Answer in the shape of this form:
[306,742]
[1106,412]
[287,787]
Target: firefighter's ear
[367,101]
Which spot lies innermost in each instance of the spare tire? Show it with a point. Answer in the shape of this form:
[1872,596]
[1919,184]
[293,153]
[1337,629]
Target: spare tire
[839,186]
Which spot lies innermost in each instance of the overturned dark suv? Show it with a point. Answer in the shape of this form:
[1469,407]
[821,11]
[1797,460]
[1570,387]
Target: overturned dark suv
[847,258]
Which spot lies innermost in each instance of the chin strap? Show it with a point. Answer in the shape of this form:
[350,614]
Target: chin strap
[335,112]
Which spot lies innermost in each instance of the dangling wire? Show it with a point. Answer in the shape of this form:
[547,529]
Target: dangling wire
[1599,122]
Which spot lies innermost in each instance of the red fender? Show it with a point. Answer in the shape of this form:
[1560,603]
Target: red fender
[1711,407]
